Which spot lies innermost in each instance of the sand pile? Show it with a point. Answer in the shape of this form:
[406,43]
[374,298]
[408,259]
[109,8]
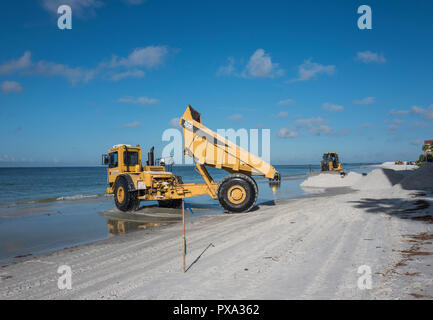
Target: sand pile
[379,179]
[331,180]
[397,167]
[420,179]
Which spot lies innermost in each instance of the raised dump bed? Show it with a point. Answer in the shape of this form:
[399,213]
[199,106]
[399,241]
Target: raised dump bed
[210,149]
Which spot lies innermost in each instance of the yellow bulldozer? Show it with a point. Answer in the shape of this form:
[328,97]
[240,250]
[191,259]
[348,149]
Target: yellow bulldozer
[330,162]
[131,182]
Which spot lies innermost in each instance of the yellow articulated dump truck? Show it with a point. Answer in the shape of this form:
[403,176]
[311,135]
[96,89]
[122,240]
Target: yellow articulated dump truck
[131,182]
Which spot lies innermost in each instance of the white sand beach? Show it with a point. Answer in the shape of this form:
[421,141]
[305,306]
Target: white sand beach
[304,248]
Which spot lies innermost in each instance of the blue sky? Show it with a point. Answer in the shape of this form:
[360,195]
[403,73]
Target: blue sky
[301,68]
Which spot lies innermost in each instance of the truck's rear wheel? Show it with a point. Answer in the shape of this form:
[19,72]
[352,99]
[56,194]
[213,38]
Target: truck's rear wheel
[172,203]
[237,193]
[124,199]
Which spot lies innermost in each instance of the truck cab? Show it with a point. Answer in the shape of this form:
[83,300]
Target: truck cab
[122,159]
[130,181]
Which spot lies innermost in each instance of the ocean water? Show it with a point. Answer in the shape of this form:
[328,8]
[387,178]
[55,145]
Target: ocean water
[26,185]
[46,209]
[21,185]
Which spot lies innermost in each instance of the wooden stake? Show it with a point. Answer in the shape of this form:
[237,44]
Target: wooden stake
[183,234]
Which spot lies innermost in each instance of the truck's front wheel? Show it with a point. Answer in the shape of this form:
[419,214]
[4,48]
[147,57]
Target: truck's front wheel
[237,193]
[124,199]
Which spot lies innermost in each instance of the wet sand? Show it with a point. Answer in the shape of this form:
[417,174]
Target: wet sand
[43,227]
[303,248]
[35,227]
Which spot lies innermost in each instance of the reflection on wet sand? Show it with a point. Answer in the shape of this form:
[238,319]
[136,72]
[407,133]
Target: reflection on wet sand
[119,222]
[116,227]
[275,187]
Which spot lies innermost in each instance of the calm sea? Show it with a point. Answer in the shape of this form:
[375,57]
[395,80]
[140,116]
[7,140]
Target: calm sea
[26,185]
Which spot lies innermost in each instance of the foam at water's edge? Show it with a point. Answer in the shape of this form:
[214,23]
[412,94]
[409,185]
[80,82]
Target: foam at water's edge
[63,198]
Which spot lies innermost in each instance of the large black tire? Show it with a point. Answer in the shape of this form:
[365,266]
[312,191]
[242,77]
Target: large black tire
[324,166]
[135,203]
[237,193]
[172,203]
[124,199]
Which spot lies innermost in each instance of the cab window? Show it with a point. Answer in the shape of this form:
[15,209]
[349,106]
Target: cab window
[114,160]
[130,158]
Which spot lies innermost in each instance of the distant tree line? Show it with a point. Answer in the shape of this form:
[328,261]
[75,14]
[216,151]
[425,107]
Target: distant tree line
[427,156]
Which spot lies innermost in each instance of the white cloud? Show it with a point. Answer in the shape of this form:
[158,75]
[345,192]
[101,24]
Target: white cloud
[282,114]
[138,100]
[420,125]
[368,100]
[332,107]
[310,121]
[319,129]
[395,125]
[6,158]
[416,142]
[11,86]
[228,69]
[17,65]
[342,132]
[319,126]
[149,57]
[315,126]
[426,113]
[398,112]
[260,65]
[175,123]
[417,110]
[80,8]
[135,124]
[364,126]
[309,70]
[128,74]
[286,101]
[370,57]
[285,133]
[74,75]
[24,65]
[135,2]
[235,117]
